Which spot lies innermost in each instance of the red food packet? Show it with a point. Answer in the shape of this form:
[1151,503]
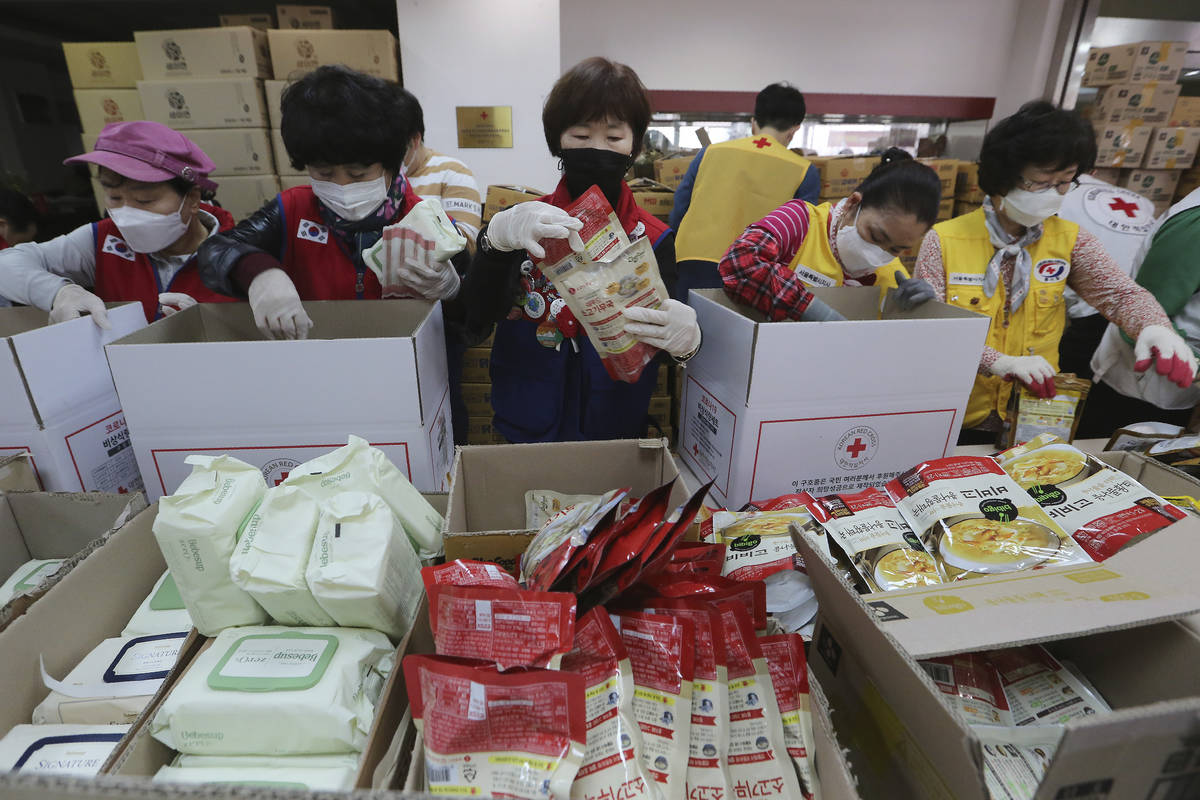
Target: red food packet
[508,627]
[789,676]
[697,559]
[608,546]
[752,595]
[972,685]
[665,541]
[781,503]
[602,232]
[516,735]
[465,572]
[552,547]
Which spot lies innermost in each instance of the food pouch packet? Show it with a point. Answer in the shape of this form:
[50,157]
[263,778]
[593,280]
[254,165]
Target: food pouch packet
[113,683]
[425,234]
[975,519]
[751,595]
[789,677]
[663,542]
[197,528]
[612,764]
[508,627]
[552,546]
[349,760]
[877,541]
[27,576]
[1031,416]
[1015,760]
[59,749]
[757,543]
[1102,508]
[1040,690]
[465,572]
[634,536]
[302,777]
[360,467]
[270,690]
[491,734]
[162,611]
[661,650]
[1141,436]
[697,559]
[542,505]
[272,554]
[972,685]
[1182,452]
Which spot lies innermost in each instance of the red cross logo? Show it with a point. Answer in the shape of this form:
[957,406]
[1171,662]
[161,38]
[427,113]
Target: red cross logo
[483,115]
[282,477]
[761,143]
[855,450]
[1124,205]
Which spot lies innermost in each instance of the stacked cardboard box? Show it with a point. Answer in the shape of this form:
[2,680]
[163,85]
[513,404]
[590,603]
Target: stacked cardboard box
[296,51]
[967,194]
[841,176]
[947,170]
[669,171]
[500,197]
[477,394]
[654,197]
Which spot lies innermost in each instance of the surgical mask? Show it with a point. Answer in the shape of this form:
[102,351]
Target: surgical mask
[584,167]
[146,231]
[858,256]
[1031,208]
[354,201]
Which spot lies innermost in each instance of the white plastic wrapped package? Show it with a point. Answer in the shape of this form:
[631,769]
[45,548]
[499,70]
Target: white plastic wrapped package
[113,683]
[426,227]
[360,467]
[59,749]
[272,556]
[162,611]
[27,576]
[340,760]
[363,570]
[301,777]
[267,690]
[197,530]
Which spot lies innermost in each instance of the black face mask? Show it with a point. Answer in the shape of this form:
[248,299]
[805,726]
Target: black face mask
[584,167]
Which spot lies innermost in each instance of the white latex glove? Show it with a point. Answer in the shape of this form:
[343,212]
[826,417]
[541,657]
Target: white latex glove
[276,306]
[74,301]
[671,327]
[525,224]
[1033,371]
[174,302]
[1172,357]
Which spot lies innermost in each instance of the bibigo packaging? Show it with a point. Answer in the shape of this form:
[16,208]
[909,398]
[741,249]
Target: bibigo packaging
[758,543]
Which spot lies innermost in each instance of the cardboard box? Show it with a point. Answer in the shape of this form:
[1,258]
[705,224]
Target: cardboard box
[236,151]
[653,197]
[746,422]
[100,107]
[660,409]
[1122,144]
[947,172]
[203,53]
[17,474]
[963,207]
[261,21]
[274,94]
[1158,61]
[669,172]
[478,399]
[292,181]
[501,197]
[1153,184]
[1186,112]
[294,53]
[304,17]
[1107,175]
[372,368]
[206,103]
[841,176]
[102,65]
[476,365]
[57,400]
[966,187]
[1152,103]
[242,195]
[1109,65]
[945,209]
[481,432]
[283,162]
[1189,181]
[1161,206]
[1172,148]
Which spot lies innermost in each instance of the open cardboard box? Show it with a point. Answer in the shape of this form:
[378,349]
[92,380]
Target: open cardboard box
[17,474]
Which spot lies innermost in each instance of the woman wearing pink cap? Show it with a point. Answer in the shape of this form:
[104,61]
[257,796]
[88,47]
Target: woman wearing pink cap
[143,250]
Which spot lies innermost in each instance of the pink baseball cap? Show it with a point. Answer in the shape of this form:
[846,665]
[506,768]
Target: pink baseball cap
[149,152]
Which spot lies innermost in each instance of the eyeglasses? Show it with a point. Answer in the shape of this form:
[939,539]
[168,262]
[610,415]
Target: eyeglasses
[1037,187]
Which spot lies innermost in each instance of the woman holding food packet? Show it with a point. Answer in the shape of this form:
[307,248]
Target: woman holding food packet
[1012,259]
[358,231]
[549,383]
[799,245]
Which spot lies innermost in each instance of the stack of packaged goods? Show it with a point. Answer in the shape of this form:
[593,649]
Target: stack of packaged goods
[208,83]
[967,194]
[947,171]
[105,77]
[654,197]
[1185,120]
[670,169]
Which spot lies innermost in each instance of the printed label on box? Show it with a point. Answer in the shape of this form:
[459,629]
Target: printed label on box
[708,435]
[103,457]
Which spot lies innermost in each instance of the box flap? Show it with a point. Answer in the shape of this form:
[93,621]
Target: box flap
[728,347]
[13,550]
[430,353]
[59,525]
[17,474]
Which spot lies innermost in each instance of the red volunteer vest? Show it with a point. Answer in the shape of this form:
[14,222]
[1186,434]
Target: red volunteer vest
[317,264]
[123,275]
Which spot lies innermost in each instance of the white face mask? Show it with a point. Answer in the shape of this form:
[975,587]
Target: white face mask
[148,232]
[858,256]
[354,201]
[1031,208]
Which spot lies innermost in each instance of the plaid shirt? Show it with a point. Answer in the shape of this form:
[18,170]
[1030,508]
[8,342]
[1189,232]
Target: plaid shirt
[755,269]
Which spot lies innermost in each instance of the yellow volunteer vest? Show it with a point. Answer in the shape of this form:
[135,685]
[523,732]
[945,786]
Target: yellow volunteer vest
[816,264]
[1036,327]
[738,183]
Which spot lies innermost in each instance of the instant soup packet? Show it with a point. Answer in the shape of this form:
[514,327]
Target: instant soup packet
[1040,690]
[627,539]
[1015,760]
[975,519]
[1031,416]
[789,677]
[554,545]
[491,734]
[758,542]
[972,685]
[613,763]
[1102,508]
[697,559]
[466,572]
[508,627]
[543,505]
[876,540]
[662,650]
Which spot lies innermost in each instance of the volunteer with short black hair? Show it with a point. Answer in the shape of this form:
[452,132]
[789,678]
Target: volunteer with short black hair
[773,264]
[153,179]
[546,387]
[1012,259]
[350,132]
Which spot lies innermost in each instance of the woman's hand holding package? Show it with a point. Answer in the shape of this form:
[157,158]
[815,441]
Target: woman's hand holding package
[1172,357]
[525,224]
[1033,371]
[276,305]
[671,327]
[413,255]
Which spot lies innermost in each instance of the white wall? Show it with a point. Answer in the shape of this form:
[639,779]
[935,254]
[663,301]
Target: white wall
[1030,56]
[484,53]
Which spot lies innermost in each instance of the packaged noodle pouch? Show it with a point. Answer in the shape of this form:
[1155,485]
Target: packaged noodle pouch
[162,611]
[1182,453]
[758,543]
[751,595]
[360,467]
[697,559]
[976,520]
[346,760]
[269,690]
[1141,436]
[300,776]
[27,577]
[272,555]
[612,764]
[1015,760]
[197,528]
[491,734]
[363,570]
[553,546]
[972,685]
[1030,416]
[543,505]
[1102,508]
[425,234]
[662,651]
[508,627]
[59,749]
[1040,690]
[465,572]
[877,541]
[789,677]
[113,683]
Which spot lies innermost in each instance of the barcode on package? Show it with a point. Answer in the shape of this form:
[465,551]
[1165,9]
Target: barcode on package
[1092,790]
[939,672]
[438,775]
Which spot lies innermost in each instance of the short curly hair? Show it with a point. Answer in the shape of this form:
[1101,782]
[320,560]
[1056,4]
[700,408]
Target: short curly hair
[1040,134]
[593,90]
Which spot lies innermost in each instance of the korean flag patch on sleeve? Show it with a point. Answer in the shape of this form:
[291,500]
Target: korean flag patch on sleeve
[118,248]
[312,231]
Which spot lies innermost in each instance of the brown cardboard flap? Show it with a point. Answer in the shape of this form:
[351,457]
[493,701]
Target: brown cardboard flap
[18,475]
[835,780]
[59,525]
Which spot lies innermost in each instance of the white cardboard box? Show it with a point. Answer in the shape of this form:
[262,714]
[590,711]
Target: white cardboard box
[780,407]
[203,53]
[236,151]
[372,368]
[282,162]
[100,107]
[295,52]
[57,401]
[242,195]
[102,65]
[205,103]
